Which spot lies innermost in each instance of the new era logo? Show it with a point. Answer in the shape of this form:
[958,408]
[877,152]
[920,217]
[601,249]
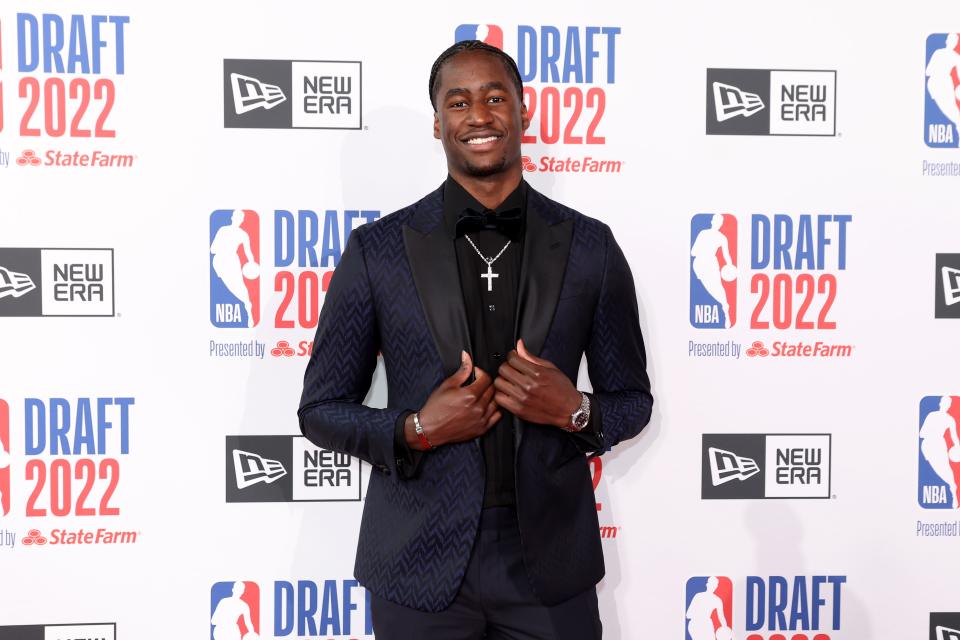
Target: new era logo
[288,469]
[249,93]
[727,465]
[944,626]
[251,468]
[731,101]
[14,284]
[948,286]
[765,465]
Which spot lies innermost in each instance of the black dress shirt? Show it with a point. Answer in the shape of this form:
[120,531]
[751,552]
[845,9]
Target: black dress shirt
[490,304]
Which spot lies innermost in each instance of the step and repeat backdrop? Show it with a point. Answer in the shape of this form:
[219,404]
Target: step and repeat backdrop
[178,182]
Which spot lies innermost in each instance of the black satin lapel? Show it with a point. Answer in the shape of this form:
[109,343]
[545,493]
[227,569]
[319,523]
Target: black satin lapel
[546,248]
[433,262]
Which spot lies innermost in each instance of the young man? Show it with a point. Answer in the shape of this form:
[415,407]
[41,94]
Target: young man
[480,519]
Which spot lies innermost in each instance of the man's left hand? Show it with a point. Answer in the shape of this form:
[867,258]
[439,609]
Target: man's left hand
[535,390]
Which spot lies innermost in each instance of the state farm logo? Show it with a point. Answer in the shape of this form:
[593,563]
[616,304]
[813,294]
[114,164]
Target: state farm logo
[73,537]
[607,531]
[799,349]
[757,350]
[282,350]
[28,159]
[33,538]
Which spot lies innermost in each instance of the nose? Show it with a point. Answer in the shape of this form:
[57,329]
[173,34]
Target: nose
[480,112]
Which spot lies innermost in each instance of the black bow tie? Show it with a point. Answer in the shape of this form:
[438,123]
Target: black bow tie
[508,222]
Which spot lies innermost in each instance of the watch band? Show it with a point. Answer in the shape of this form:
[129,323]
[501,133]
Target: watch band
[580,418]
[420,434]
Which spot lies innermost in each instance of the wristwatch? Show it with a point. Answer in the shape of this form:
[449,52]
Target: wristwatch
[580,417]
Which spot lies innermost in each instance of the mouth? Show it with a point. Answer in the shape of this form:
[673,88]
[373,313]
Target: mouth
[482,141]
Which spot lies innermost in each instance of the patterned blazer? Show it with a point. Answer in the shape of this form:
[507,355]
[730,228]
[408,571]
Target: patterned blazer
[396,291]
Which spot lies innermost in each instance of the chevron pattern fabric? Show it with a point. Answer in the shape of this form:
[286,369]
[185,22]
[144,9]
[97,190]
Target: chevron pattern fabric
[416,534]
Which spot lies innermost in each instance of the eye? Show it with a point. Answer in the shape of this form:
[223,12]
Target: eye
[459,104]
[496,99]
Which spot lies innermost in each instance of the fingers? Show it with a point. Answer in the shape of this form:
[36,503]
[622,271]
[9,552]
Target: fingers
[529,357]
[460,375]
[481,381]
[494,418]
[516,377]
[487,395]
[508,388]
[523,366]
[509,403]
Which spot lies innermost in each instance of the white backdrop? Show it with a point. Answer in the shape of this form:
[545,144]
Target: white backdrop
[168,114]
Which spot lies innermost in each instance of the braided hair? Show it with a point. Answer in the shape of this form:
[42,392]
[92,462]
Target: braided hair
[473,45]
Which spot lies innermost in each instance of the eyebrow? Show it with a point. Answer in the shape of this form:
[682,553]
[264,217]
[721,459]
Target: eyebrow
[495,85]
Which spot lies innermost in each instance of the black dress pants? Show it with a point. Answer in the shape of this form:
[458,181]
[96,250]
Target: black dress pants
[495,601]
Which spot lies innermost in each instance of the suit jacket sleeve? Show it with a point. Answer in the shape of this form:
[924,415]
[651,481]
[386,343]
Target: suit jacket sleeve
[616,360]
[338,375]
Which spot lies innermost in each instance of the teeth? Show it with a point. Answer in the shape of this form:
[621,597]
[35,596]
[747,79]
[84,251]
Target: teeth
[481,140]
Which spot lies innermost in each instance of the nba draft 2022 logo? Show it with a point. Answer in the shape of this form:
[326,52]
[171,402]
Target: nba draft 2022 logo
[709,609]
[713,271]
[235,610]
[939,456]
[941,109]
[234,268]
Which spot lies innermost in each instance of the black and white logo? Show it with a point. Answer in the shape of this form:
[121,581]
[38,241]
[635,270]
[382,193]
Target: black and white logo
[56,282]
[98,631]
[288,469]
[947,303]
[776,102]
[249,94]
[292,94]
[945,626]
[757,466]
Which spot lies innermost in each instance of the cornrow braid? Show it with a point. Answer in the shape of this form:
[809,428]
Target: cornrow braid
[473,45]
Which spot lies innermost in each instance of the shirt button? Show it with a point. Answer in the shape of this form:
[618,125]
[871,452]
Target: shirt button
[497,356]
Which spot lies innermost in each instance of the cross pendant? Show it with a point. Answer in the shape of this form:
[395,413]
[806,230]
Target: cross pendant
[490,275]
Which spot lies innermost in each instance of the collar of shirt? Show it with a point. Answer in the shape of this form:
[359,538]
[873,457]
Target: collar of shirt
[456,199]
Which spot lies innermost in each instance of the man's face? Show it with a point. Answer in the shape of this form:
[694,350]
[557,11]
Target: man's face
[479,117]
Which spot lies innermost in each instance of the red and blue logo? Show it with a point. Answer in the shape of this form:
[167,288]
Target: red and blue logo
[235,611]
[234,268]
[488,33]
[4,458]
[939,455]
[805,607]
[709,609]
[941,112]
[713,271]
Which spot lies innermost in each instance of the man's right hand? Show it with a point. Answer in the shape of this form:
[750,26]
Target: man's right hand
[453,412]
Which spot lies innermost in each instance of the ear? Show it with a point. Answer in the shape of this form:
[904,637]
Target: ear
[524,118]
[436,125]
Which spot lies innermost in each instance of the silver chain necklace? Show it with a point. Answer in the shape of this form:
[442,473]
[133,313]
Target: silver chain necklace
[489,275]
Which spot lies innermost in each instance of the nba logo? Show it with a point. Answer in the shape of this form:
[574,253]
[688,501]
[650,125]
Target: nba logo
[941,110]
[4,458]
[939,457]
[234,268]
[713,271]
[235,611]
[488,33]
[709,609]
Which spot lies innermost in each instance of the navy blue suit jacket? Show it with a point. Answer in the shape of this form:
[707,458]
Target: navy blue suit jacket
[396,291]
